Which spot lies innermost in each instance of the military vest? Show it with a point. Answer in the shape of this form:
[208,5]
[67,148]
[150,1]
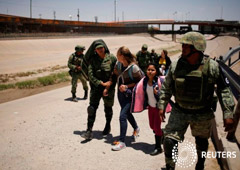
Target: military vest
[193,89]
[103,68]
[77,60]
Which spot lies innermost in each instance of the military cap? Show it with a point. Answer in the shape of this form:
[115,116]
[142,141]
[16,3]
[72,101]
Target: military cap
[98,45]
[144,46]
[79,48]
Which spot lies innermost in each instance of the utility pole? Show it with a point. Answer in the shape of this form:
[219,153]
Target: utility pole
[221,12]
[78,15]
[54,15]
[78,19]
[96,19]
[30,8]
[115,10]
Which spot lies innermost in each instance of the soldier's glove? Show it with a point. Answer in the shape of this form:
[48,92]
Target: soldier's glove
[228,124]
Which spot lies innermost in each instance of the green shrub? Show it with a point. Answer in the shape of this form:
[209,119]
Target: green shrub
[6,86]
[47,80]
[27,84]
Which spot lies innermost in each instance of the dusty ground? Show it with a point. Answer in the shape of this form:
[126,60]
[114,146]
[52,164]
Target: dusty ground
[42,131]
[35,58]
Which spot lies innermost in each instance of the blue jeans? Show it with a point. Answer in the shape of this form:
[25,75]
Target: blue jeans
[125,115]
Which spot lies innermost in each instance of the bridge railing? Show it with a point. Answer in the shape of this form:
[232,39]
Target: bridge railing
[221,144]
[234,82]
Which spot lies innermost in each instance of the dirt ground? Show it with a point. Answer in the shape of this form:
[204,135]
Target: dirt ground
[43,131]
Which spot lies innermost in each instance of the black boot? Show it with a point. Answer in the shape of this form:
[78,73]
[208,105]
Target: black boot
[158,148]
[85,94]
[200,163]
[168,167]
[108,114]
[202,146]
[74,98]
[107,128]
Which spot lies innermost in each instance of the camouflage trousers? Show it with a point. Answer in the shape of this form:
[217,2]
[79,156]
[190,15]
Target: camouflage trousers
[96,93]
[200,124]
[75,77]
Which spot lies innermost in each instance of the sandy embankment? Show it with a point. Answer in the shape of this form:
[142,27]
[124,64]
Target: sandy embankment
[31,55]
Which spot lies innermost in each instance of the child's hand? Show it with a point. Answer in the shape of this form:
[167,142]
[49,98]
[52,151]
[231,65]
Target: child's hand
[162,115]
[156,90]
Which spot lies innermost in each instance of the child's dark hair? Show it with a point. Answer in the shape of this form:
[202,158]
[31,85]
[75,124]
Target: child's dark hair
[156,67]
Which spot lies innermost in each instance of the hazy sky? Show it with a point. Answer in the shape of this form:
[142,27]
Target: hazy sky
[126,9]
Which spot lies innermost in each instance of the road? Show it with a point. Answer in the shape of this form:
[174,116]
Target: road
[43,131]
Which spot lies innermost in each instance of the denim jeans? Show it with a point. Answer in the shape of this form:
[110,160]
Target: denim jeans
[125,115]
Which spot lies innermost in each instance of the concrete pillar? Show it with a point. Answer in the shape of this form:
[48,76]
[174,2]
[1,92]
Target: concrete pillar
[173,34]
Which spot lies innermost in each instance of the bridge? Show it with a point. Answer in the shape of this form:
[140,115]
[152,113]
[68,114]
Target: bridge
[17,24]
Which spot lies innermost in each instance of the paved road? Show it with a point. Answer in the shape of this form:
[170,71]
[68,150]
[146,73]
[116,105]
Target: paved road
[43,132]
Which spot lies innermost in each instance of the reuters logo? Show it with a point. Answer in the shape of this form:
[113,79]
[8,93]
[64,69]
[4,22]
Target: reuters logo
[184,154]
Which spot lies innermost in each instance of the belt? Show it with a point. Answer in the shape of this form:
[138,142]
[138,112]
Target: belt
[193,111]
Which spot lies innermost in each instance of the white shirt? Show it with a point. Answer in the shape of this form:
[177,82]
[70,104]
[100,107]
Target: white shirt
[151,99]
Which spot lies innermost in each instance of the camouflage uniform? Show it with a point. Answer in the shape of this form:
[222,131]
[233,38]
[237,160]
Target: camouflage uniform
[154,57]
[143,58]
[193,88]
[100,70]
[73,62]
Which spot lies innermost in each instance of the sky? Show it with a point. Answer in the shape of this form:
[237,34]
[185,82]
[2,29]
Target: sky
[207,10]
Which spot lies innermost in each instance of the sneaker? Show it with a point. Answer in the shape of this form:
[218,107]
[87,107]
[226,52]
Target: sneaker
[87,135]
[136,134]
[118,145]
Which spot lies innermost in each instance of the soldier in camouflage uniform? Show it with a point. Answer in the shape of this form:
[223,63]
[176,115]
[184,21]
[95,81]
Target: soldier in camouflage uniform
[102,84]
[143,58]
[74,63]
[192,81]
[154,57]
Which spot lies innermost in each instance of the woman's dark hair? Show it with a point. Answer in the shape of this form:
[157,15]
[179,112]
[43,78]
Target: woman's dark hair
[156,67]
[165,52]
[127,54]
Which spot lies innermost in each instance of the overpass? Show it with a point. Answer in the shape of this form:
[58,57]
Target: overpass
[17,24]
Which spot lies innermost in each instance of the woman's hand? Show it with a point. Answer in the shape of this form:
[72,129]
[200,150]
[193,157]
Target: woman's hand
[105,92]
[123,88]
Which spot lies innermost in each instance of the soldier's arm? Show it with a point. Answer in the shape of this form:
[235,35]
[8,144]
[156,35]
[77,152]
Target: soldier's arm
[70,65]
[113,77]
[91,76]
[225,96]
[166,90]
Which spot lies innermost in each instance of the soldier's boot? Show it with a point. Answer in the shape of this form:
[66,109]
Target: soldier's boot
[91,118]
[168,145]
[85,94]
[87,135]
[158,148]
[202,146]
[108,115]
[74,97]
[168,167]
[107,128]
